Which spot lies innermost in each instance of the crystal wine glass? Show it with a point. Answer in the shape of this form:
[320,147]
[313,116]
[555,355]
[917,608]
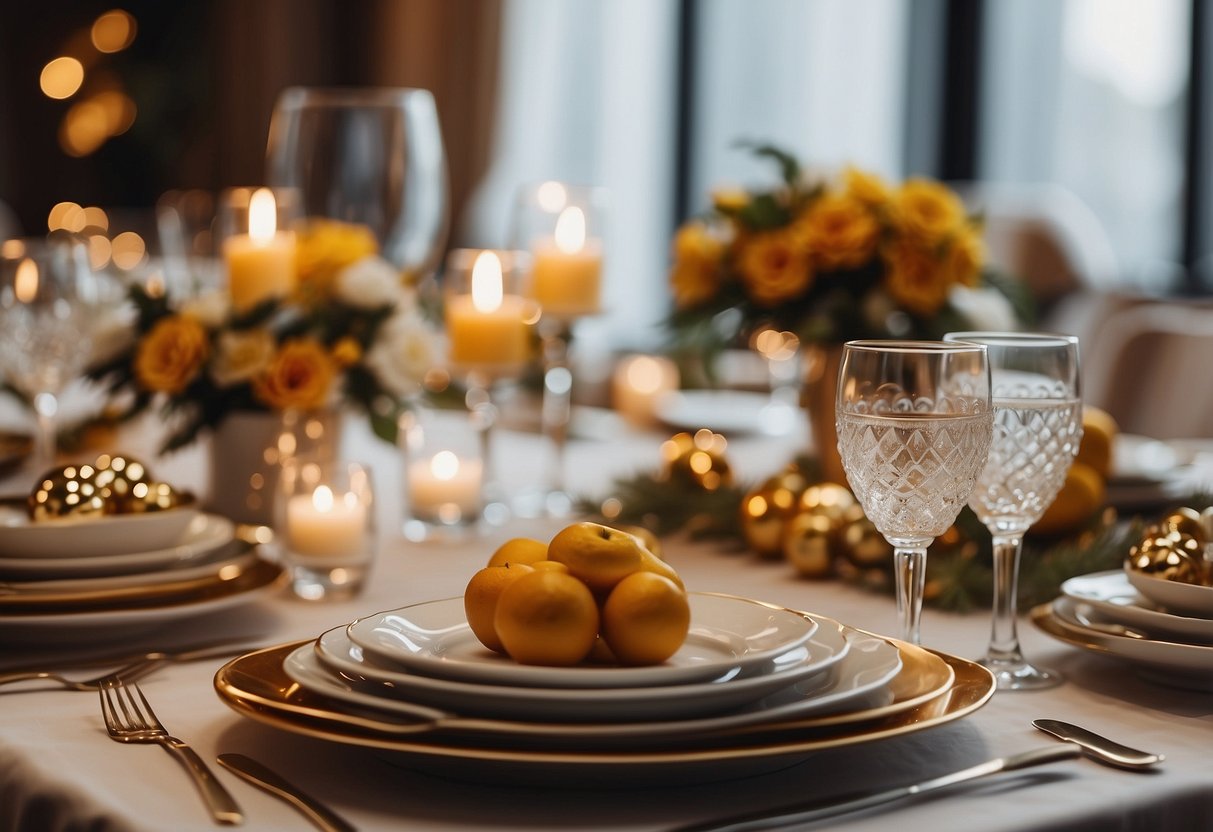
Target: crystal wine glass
[368,156]
[914,425]
[1037,429]
[48,292]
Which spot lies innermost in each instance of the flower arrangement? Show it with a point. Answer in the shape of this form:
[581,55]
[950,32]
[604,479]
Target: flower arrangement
[350,333]
[835,259]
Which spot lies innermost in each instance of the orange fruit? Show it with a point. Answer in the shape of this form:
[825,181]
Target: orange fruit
[1079,498]
[547,618]
[549,565]
[645,619]
[519,550]
[481,596]
[1099,431]
[649,538]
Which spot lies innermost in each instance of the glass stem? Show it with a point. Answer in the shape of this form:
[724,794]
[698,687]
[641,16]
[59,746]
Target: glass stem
[1004,637]
[910,566]
[46,407]
[484,415]
[557,401]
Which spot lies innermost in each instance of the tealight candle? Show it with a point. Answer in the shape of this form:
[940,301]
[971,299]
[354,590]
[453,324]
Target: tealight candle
[487,328]
[445,487]
[261,263]
[637,384]
[566,277]
[326,525]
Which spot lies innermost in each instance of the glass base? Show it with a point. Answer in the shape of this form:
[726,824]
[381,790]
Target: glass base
[1019,675]
[327,583]
[417,530]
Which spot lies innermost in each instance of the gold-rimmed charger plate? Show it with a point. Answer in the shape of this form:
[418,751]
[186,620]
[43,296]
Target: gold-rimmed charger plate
[255,686]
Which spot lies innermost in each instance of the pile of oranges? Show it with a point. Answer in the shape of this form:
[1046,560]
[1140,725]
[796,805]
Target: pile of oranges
[591,593]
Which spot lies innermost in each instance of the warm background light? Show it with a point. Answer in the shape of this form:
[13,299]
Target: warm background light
[84,129]
[551,196]
[129,250]
[62,77]
[61,214]
[113,31]
[99,251]
[570,230]
[487,288]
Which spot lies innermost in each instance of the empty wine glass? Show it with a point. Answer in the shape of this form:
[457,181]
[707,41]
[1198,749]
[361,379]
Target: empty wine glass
[47,296]
[914,425]
[1037,429]
[368,156]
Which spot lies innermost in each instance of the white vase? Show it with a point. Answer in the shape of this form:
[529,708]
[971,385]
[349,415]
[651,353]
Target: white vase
[246,453]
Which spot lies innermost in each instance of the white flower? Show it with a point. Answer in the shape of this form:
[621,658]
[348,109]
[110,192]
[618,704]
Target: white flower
[369,283]
[240,355]
[209,309]
[986,309]
[404,351]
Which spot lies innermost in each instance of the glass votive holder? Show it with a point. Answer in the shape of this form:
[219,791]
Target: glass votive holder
[257,244]
[325,527]
[444,473]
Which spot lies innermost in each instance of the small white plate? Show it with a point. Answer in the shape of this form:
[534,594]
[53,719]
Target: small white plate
[114,534]
[433,638]
[859,680]
[1176,597]
[1111,593]
[730,412]
[203,534]
[806,664]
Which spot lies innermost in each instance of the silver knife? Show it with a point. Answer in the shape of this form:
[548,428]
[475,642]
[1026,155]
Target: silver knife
[260,776]
[829,807]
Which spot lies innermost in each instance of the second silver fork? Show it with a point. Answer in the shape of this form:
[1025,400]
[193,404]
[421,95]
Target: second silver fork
[130,718]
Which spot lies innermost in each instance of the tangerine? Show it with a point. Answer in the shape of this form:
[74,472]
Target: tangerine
[547,617]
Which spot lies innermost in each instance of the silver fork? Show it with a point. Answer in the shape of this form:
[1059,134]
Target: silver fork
[131,672]
[131,719]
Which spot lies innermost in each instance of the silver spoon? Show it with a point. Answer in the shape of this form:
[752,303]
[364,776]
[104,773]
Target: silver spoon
[1098,748]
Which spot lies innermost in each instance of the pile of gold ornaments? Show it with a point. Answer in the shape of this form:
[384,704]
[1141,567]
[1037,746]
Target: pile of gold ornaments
[698,459]
[1174,549]
[111,484]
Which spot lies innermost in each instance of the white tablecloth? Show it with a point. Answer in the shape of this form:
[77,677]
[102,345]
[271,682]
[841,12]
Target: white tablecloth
[59,770]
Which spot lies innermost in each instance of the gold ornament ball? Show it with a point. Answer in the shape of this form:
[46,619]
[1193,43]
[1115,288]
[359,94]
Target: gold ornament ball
[1184,521]
[1165,552]
[865,546]
[766,510]
[70,492]
[147,497]
[698,459]
[809,544]
[834,502]
[117,475]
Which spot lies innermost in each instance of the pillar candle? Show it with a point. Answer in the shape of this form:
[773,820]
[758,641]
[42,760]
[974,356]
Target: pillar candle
[321,525]
[261,263]
[566,276]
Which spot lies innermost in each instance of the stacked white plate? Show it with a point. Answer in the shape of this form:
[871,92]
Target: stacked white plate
[1163,628]
[82,579]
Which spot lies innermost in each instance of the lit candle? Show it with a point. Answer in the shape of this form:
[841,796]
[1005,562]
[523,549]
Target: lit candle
[486,327]
[637,384]
[566,277]
[260,264]
[322,524]
[445,487]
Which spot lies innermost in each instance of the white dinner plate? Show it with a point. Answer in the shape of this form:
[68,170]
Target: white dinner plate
[433,638]
[1183,665]
[859,681]
[111,534]
[203,534]
[1176,597]
[731,412]
[1111,593]
[738,686]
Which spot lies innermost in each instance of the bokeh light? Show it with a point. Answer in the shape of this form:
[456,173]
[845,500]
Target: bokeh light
[113,31]
[128,250]
[62,77]
[84,128]
[56,220]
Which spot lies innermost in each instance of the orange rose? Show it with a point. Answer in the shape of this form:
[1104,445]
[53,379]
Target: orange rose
[300,375]
[915,278]
[868,188]
[840,231]
[774,266]
[928,210]
[171,354]
[695,275]
[965,257]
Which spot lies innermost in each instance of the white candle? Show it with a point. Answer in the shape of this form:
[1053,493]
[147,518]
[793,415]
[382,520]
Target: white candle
[566,277]
[260,264]
[637,384]
[445,486]
[322,524]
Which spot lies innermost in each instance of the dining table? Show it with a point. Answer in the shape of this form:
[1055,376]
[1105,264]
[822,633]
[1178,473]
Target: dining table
[60,771]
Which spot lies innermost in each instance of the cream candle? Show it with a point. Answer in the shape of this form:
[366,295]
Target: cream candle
[324,525]
[261,263]
[445,485]
[638,382]
[486,327]
[566,276]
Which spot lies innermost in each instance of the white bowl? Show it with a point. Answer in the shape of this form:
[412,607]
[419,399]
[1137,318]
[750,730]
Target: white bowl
[111,534]
[1186,599]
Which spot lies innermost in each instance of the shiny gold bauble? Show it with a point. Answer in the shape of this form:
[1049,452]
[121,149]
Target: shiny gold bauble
[767,509]
[698,459]
[810,544]
[866,547]
[1172,550]
[117,475]
[152,496]
[834,502]
[67,493]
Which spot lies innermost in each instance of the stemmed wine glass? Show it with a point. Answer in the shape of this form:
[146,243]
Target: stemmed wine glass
[48,294]
[368,156]
[1037,430]
[914,425]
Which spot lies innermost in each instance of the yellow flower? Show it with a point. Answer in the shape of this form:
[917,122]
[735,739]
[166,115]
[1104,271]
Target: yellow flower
[965,257]
[695,275]
[240,355]
[171,354]
[840,231]
[346,352]
[868,188]
[915,278]
[928,210]
[325,247]
[301,375]
[774,266]
[729,200]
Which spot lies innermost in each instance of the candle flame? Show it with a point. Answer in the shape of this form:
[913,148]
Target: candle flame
[25,283]
[444,465]
[487,288]
[322,498]
[570,230]
[262,215]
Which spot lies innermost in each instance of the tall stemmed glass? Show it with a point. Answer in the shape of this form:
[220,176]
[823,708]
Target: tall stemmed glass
[368,156]
[48,295]
[1037,429]
[914,425]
